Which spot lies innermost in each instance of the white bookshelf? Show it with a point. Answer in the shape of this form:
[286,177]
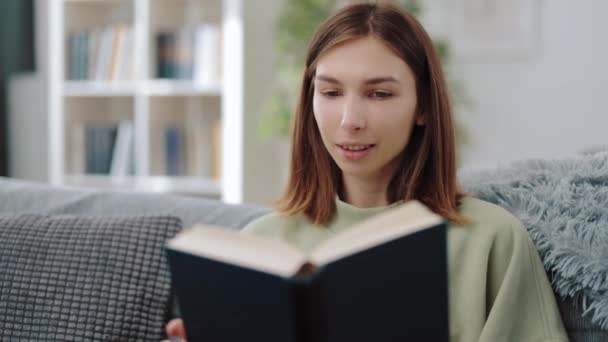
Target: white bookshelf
[150,103]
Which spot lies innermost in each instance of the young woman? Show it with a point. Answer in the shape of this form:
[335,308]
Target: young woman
[373,128]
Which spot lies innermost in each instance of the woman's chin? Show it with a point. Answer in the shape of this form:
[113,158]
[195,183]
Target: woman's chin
[358,171]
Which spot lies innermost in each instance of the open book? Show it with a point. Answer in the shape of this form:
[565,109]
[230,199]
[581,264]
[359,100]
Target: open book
[384,279]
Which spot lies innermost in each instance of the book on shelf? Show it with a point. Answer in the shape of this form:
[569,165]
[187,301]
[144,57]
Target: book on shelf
[125,59]
[93,51]
[175,58]
[383,279]
[190,53]
[184,58]
[207,54]
[122,155]
[78,55]
[119,51]
[100,54]
[165,55]
[175,151]
[103,54]
[99,145]
[102,148]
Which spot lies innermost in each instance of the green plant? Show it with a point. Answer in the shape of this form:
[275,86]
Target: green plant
[294,28]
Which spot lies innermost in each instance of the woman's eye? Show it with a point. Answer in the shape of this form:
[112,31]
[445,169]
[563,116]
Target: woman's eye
[330,93]
[380,94]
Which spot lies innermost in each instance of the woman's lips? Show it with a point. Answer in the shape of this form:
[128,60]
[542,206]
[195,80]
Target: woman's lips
[355,154]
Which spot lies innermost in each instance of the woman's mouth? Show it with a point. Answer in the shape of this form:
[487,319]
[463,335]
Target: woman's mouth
[355,151]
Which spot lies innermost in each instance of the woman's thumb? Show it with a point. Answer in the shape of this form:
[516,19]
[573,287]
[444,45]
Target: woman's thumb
[175,328]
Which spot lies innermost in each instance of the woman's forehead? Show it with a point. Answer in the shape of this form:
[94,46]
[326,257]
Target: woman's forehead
[362,59]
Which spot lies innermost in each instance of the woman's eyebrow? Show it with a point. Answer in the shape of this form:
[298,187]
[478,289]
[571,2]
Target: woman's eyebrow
[327,79]
[374,80]
[377,80]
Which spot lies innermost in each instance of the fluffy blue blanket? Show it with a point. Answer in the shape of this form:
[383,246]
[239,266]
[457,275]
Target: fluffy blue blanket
[564,205]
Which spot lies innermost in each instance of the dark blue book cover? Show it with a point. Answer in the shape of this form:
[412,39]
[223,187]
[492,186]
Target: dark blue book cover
[393,290]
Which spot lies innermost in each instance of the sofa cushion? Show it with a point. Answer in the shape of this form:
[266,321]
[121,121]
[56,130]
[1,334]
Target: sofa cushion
[579,326]
[78,278]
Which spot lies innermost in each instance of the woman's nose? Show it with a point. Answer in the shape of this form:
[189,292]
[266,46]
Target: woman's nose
[353,116]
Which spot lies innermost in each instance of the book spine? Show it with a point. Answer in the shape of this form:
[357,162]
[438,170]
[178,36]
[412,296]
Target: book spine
[122,147]
[174,148]
[310,310]
[112,132]
[207,48]
[117,50]
[105,54]
[124,61]
[166,51]
[90,150]
[99,147]
[71,56]
[184,59]
[84,55]
[92,49]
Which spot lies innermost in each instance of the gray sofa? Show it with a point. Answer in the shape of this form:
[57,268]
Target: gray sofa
[511,187]
[110,307]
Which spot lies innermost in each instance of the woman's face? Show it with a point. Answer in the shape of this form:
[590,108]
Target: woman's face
[364,104]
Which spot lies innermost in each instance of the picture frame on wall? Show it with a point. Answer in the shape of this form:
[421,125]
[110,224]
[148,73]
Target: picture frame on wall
[494,29]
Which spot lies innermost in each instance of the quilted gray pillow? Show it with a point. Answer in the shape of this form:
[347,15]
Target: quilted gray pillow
[76,278]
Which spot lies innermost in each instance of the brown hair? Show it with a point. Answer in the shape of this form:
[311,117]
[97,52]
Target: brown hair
[427,170]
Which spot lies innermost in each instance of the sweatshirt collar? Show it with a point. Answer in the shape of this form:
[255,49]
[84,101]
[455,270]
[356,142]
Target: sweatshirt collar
[346,209]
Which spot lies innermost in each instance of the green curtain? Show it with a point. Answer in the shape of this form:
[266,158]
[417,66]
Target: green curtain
[16,54]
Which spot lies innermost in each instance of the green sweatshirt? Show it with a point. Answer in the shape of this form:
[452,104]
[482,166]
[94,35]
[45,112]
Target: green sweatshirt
[498,291]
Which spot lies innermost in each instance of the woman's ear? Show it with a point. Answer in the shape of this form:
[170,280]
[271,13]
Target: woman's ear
[421,120]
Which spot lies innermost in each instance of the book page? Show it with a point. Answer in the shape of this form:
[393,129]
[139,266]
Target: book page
[402,220]
[221,244]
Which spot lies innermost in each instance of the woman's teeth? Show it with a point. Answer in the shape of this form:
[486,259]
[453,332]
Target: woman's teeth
[356,147]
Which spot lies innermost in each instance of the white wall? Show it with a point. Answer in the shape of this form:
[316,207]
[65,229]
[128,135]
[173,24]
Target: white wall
[546,106]
[265,161]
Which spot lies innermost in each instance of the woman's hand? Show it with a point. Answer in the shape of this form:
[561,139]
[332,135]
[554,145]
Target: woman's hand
[175,330]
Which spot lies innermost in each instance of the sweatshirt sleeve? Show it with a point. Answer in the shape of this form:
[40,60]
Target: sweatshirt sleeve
[521,303]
